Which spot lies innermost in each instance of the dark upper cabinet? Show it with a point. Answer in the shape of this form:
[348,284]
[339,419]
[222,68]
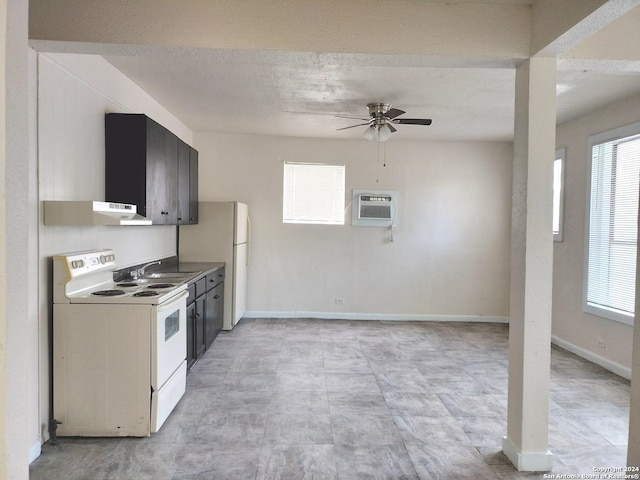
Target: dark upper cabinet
[187,184]
[193,185]
[143,165]
[184,186]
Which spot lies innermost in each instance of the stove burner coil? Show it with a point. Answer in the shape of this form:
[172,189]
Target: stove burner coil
[109,293]
[161,285]
[126,284]
[146,293]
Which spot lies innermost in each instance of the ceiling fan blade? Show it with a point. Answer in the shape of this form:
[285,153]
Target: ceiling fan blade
[412,121]
[392,128]
[393,113]
[352,126]
[352,117]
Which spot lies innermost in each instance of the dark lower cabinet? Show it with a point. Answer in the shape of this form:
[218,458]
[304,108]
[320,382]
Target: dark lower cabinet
[199,327]
[205,312]
[213,317]
[191,325]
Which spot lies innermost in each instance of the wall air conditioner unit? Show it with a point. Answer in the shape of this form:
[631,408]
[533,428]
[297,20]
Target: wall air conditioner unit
[374,208]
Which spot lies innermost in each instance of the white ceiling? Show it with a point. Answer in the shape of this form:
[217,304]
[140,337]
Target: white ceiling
[298,94]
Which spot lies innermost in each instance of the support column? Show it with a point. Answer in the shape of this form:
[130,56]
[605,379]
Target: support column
[526,443]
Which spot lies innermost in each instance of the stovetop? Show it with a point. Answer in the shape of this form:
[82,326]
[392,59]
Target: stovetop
[87,277]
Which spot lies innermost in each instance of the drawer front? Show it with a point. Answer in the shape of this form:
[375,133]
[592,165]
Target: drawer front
[192,293]
[201,286]
[214,278]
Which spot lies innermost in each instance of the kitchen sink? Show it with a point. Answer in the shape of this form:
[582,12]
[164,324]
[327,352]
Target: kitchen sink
[164,279]
[168,274]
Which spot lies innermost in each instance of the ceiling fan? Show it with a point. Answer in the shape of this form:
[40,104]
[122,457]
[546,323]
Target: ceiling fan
[381,121]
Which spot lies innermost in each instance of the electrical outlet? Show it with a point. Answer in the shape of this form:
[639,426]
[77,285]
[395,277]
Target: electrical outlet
[339,301]
[601,342]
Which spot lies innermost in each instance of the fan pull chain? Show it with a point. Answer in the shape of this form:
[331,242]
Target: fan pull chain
[378,165]
[385,155]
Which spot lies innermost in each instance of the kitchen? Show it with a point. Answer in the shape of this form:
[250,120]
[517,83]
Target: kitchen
[354,253]
[71,167]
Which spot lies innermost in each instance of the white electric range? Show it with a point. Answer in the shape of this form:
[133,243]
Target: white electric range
[119,349]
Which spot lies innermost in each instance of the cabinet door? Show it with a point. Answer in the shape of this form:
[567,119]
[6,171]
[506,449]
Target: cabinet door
[200,316]
[184,183]
[125,159]
[191,324]
[193,185]
[213,318]
[162,174]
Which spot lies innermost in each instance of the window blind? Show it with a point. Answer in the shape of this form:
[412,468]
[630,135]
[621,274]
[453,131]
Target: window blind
[558,193]
[313,193]
[613,227]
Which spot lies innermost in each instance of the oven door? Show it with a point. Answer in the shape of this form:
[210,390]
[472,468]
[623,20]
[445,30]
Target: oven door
[168,358]
[169,339]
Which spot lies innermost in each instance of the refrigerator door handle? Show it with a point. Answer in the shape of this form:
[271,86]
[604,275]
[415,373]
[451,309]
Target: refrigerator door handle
[248,240]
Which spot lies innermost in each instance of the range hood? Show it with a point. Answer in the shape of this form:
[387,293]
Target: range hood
[67,212]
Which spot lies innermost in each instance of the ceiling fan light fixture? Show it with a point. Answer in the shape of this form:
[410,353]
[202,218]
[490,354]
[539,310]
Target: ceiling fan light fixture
[381,133]
[370,133]
[384,133]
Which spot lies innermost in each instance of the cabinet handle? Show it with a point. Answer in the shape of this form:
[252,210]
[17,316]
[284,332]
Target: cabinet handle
[220,275]
[216,297]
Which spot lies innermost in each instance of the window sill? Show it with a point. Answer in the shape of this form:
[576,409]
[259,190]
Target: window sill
[609,314]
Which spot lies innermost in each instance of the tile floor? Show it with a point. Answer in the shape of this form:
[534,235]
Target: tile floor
[323,399]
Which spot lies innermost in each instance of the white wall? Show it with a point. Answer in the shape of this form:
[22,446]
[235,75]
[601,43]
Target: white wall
[74,93]
[573,328]
[450,254]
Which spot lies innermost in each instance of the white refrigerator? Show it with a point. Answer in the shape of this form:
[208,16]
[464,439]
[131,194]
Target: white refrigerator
[221,235]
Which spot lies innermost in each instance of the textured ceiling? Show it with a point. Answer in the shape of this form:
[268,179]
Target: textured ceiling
[274,92]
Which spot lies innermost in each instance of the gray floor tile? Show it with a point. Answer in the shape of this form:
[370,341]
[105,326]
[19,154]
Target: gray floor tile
[352,382]
[436,462]
[415,404]
[374,462]
[482,405]
[347,399]
[296,401]
[208,462]
[442,430]
[370,403]
[304,462]
[298,429]
[303,381]
[358,429]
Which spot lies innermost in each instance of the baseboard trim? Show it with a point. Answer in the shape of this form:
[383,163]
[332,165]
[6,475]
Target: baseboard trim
[402,317]
[615,367]
[34,451]
[529,461]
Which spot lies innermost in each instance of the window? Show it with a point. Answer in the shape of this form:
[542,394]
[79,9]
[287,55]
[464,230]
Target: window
[313,193]
[613,224]
[558,193]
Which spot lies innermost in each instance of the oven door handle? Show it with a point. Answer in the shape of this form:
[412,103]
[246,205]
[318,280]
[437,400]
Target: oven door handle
[173,301]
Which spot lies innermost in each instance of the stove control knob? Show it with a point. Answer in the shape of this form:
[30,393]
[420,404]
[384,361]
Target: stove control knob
[103,259]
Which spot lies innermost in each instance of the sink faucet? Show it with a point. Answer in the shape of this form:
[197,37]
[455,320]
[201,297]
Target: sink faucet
[139,272]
